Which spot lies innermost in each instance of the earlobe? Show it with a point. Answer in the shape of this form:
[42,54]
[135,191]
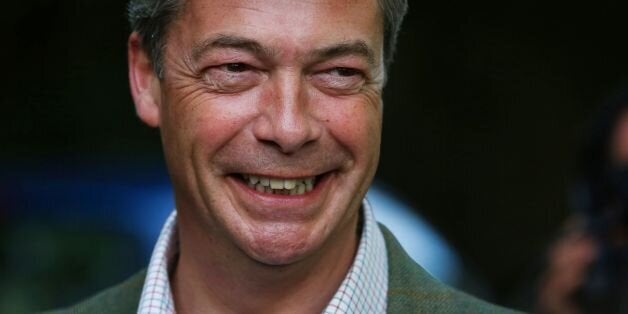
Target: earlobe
[145,85]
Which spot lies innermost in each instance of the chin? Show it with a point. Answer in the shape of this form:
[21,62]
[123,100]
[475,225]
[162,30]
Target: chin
[281,247]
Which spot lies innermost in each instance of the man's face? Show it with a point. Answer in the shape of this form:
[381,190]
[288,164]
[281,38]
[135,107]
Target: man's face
[270,116]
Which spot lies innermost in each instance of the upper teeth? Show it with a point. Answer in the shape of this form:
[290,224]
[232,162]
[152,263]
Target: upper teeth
[280,186]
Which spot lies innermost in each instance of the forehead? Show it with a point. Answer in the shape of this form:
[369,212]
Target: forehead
[290,24]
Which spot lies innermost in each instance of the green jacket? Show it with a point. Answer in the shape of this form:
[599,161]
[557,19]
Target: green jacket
[410,290]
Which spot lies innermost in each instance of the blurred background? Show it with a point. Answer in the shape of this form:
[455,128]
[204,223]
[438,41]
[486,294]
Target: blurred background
[486,109]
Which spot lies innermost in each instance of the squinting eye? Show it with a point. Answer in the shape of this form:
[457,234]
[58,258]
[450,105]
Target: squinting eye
[346,72]
[236,67]
[232,77]
[340,80]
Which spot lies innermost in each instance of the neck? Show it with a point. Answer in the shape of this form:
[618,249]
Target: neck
[231,282]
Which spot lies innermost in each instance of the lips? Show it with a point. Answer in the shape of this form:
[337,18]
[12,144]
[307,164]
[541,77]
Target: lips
[278,204]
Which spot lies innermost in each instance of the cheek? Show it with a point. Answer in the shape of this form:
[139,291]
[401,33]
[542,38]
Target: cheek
[207,123]
[356,125]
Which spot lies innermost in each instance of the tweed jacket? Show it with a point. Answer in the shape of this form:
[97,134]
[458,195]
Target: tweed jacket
[410,290]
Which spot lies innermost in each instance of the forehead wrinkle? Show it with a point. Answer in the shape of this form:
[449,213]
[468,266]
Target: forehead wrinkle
[233,42]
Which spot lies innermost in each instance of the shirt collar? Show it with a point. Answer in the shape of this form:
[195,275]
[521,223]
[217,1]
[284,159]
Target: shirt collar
[363,290]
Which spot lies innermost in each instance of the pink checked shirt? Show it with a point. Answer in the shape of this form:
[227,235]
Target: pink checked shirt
[362,291]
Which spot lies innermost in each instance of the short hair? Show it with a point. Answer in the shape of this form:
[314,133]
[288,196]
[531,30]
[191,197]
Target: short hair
[151,19]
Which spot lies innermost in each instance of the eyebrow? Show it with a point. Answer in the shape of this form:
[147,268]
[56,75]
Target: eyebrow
[356,47]
[233,42]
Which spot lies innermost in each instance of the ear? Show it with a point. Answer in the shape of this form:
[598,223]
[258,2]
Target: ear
[145,85]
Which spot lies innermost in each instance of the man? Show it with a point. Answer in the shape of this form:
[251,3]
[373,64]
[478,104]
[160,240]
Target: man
[270,115]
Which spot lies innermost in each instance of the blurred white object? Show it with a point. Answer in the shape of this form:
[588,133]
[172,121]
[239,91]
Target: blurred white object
[417,237]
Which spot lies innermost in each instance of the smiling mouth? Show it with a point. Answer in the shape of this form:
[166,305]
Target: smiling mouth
[279,186]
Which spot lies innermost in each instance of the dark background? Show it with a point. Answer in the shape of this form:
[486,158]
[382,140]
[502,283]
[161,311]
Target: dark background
[484,112]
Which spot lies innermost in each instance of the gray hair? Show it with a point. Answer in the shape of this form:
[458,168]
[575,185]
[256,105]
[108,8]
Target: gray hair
[151,18]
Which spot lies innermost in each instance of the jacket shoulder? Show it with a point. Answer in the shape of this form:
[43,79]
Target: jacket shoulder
[412,290]
[122,298]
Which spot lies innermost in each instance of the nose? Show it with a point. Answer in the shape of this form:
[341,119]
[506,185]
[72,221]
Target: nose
[286,120]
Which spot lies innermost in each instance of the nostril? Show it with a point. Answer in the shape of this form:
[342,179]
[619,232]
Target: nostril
[271,144]
[284,149]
